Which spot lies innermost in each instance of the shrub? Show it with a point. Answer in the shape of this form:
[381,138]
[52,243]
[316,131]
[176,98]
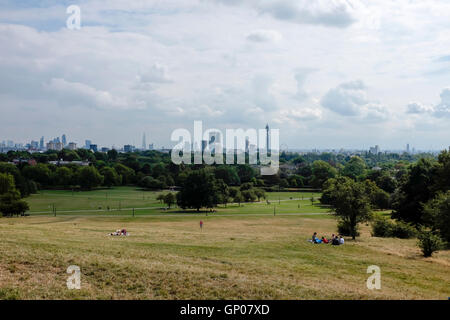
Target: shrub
[345,229]
[429,243]
[385,228]
[403,230]
[382,227]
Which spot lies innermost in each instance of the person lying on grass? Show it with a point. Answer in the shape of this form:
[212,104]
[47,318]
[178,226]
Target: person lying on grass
[119,232]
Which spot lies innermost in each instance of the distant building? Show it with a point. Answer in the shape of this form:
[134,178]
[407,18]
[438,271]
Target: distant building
[104,149]
[62,163]
[93,147]
[64,140]
[374,150]
[87,144]
[127,148]
[41,143]
[31,162]
[72,146]
[34,145]
[51,145]
[144,143]
[150,146]
[407,148]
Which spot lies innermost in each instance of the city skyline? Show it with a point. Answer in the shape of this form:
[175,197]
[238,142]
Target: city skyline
[41,145]
[348,74]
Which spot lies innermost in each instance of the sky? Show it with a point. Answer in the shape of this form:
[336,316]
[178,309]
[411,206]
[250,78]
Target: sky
[326,73]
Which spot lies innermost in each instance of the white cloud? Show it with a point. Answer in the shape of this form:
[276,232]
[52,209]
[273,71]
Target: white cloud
[443,108]
[336,13]
[350,99]
[347,99]
[418,108]
[264,36]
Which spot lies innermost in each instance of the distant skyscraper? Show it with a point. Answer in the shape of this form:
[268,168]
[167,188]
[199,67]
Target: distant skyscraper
[267,137]
[375,150]
[93,147]
[144,143]
[88,144]
[407,148]
[72,146]
[41,143]
[63,140]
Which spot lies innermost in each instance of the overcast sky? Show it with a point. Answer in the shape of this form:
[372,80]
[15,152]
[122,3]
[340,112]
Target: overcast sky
[327,73]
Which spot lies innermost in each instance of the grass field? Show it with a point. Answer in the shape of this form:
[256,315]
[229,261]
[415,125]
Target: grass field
[238,255]
[121,201]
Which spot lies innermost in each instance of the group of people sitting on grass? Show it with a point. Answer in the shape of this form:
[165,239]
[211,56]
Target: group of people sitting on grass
[334,240]
[119,232]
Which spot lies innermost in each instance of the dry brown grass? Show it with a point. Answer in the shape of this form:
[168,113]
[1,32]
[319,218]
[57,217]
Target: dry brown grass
[232,258]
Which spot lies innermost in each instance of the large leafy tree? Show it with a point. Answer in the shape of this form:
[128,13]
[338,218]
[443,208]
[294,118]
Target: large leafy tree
[63,176]
[228,174]
[414,191]
[437,215]
[89,177]
[350,202]
[321,172]
[39,173]
[355,168]
[11,204]
[111,178]
[169,199]
[442,174]
[199,190]
[6,183]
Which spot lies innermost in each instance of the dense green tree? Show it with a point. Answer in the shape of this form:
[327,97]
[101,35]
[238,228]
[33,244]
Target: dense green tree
[437,215]
[39,173]
[442,174]
[228,174]
[149,182]
[110,177]
[260,193]
[321,172]
[414,191]
[89,177]
[351,203]
[249,195]
[63,176]
[7,183]
[127,174]
[10,204]
[355,168]
[160,197]
[169,199]
[112,154]
[245,173]
[199,190]
[224,191]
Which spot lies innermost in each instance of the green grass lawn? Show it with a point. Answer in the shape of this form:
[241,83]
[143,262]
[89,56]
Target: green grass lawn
[122,200]
[242,253]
